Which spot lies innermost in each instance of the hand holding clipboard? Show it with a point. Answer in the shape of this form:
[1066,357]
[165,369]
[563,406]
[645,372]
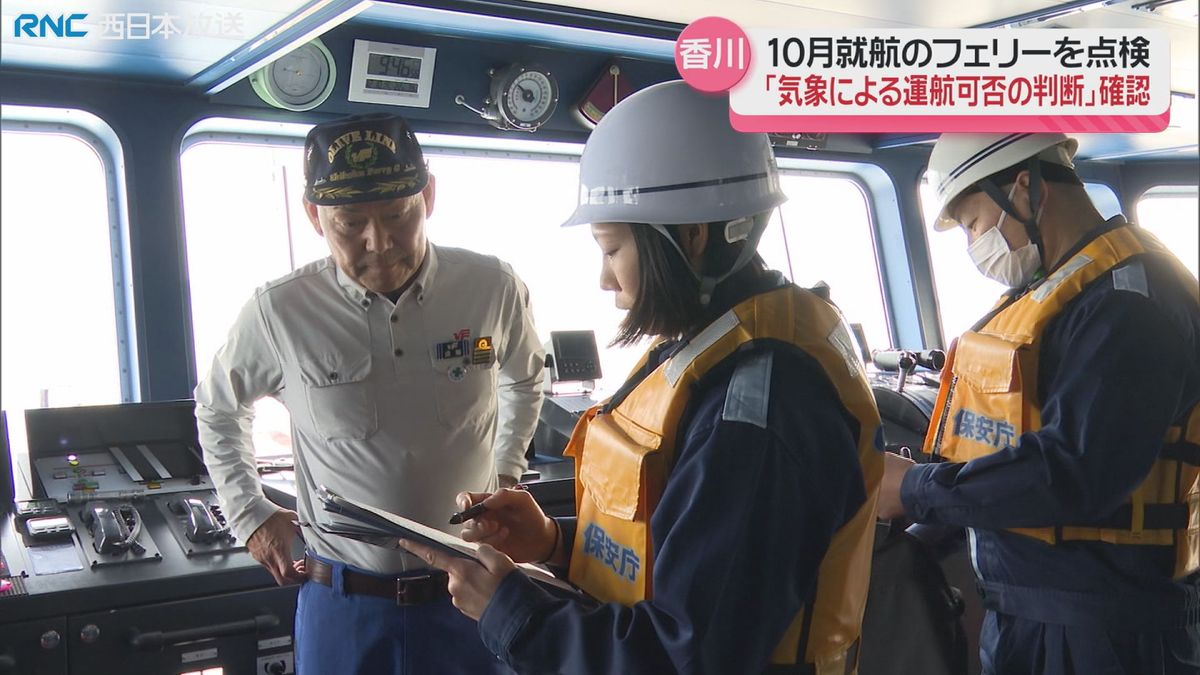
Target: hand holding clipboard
[380,527]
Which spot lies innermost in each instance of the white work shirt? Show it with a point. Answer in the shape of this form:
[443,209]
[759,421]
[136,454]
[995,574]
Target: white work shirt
[398,406]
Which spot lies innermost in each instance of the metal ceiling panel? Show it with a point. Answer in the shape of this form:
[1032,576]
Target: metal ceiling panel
[823,13]
[1180,31]
[409,17]
[1178,138]
[159,40]
[924,14]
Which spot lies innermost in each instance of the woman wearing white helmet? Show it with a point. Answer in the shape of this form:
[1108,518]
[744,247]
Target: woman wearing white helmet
[1069,422]
[726,493]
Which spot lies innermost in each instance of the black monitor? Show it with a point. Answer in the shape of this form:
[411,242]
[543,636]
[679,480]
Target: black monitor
[575,356]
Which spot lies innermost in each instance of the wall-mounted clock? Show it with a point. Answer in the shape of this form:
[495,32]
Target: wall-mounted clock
[300,80]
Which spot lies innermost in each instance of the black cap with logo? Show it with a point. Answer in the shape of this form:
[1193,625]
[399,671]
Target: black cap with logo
[362,158]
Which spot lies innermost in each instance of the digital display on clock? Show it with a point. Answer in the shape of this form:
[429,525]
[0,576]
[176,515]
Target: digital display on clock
[392,74]
[391,65]
[390,85]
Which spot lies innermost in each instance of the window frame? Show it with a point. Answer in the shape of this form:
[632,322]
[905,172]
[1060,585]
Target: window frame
[1165,191]
[907,317]
[1168,190]
[95,133]
[789,166]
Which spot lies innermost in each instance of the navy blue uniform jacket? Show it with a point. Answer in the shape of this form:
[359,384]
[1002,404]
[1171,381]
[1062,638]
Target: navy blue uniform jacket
[1118,366]
[745,518]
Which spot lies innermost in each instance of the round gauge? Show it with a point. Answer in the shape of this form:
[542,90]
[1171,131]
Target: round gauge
[299,80]
[527,96]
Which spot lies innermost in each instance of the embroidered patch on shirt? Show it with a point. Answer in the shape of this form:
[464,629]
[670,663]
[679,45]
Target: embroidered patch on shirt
[483,354]
[454,349]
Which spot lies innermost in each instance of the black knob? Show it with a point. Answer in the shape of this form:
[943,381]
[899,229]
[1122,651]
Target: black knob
[277,668]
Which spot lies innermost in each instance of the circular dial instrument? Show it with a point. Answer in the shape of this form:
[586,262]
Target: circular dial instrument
[299,80]
[527,97]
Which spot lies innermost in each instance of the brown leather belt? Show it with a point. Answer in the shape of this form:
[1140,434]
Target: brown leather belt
[411,590]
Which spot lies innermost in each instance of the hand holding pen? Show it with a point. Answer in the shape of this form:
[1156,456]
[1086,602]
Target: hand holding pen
[476,507]
[510,521]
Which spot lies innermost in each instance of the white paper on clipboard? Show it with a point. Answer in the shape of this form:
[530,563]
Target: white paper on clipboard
[376,522]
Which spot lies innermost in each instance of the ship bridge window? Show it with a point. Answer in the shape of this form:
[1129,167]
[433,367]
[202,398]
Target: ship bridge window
[823,234]
[244,225]
[1170,212]
[61,262]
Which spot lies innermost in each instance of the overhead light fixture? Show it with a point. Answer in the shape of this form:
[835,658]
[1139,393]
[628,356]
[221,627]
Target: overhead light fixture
[1060,12]
[1047,14]
[1183,10]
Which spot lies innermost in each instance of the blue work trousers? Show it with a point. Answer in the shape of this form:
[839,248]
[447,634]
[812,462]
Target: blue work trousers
[345,634]
[1010,645]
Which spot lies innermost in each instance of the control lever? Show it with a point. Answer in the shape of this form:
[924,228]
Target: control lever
[893,360]
[110,527]
[202,526]
[906,361]
[154,640]
[108,530]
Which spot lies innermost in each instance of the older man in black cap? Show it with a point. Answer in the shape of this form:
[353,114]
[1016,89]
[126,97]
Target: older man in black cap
[411,373]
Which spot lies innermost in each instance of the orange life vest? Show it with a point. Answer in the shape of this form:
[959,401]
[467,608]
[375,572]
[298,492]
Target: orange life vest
[988,398]
[624,458]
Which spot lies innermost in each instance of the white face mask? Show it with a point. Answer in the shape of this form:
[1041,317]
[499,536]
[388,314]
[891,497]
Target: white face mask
[998,262]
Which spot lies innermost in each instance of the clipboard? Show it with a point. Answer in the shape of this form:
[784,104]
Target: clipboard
[383,528]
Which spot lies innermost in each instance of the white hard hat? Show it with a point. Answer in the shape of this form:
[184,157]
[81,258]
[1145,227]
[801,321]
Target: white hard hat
[959,161]
[667,155]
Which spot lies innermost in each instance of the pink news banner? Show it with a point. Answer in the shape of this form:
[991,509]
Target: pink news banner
[931,80]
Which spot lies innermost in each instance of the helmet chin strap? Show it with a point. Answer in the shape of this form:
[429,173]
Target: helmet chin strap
[1035,204]
[748,229]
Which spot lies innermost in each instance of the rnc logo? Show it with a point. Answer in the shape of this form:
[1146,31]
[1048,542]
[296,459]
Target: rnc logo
[34,26]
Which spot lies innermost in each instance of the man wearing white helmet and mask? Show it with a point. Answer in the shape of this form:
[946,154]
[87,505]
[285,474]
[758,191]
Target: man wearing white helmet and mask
[1068,421]
[726,493]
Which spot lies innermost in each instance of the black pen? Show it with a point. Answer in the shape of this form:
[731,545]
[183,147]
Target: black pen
[472,512]
[478,509]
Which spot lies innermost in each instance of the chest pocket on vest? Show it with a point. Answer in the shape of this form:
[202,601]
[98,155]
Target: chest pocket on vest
[612,554]
[341,403]
[986,411]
